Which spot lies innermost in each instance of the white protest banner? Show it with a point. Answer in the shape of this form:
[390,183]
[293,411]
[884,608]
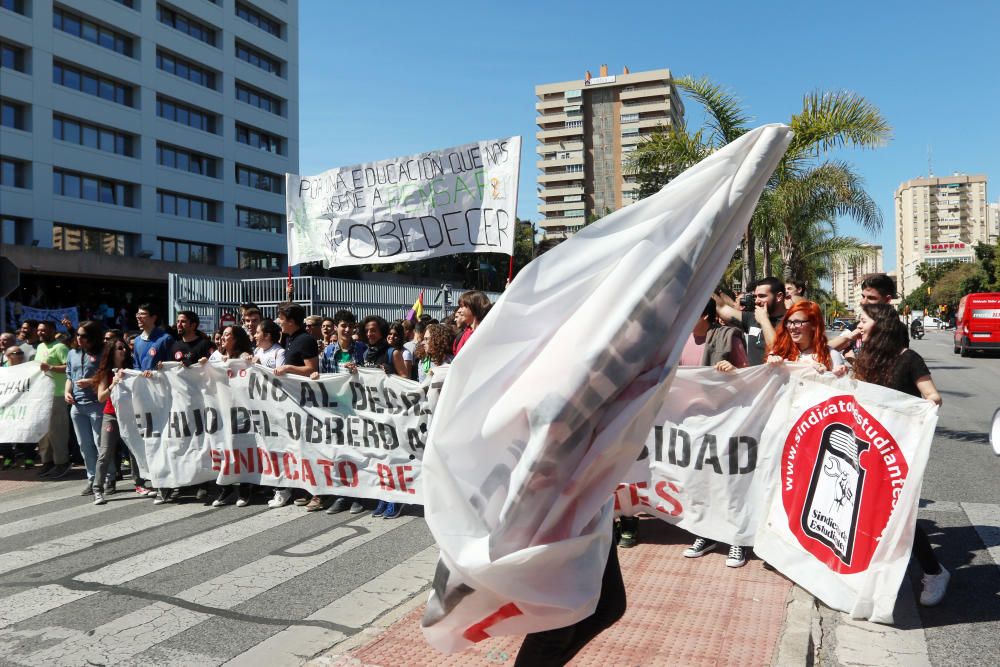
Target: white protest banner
[456,200]
[704,457]
[25,403]
[358,435]
[537,424]
[843,501]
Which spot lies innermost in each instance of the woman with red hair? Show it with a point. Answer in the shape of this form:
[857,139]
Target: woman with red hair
[801,336]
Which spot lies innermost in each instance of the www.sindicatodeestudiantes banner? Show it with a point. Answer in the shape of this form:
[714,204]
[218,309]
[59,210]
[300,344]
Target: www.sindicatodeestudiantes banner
[359,435]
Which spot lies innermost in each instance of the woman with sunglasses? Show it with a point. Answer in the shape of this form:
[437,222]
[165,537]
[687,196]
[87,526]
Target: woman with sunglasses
[801,337]
[81,394]
[116,356]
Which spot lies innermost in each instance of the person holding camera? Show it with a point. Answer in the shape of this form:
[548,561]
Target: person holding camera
[763,310]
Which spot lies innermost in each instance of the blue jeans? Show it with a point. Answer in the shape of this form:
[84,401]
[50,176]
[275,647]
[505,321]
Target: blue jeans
[87,425]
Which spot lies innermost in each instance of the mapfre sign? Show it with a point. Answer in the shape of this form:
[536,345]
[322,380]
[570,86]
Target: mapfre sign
[942,247]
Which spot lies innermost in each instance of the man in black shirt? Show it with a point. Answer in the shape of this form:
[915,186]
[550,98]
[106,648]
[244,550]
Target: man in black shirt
[301,358]
[759,326]
[191,345]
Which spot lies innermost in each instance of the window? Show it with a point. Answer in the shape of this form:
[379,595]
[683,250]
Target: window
[630,117]
[259,99]
[127,3]
[13,115]
[90,135]
[16,6]
[13,172]
[186,160]
[265,221]
[92,84]
[573,168]
[258,58]
[185,69]
[186,206]
[186,24]
[87,239]
[12,57]
[259,139]
[186,114]
[630,132]
[256,18]
[256,259]
[93,188]
[172,250]
[78,26]
[261,180]
[573,123]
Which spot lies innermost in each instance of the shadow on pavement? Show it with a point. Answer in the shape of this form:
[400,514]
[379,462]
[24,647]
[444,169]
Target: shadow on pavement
[979,437]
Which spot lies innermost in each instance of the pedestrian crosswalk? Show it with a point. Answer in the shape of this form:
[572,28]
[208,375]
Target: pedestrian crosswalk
[189,584]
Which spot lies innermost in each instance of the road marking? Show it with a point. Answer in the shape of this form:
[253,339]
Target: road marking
[360,607]
[120,639]
[60,546]
[939,506]
[85,509]
[35,497]
[986,520]
[34,601]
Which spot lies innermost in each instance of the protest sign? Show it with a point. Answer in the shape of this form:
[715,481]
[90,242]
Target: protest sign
[702,463]
[25,403]
[358,435]
[456,200]
[843,502]
[537,425]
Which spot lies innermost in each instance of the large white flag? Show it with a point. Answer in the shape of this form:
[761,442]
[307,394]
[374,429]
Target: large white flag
[551,401]
[459,199]
[25,403]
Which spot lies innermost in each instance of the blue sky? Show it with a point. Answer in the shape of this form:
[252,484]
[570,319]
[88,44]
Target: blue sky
[382,79]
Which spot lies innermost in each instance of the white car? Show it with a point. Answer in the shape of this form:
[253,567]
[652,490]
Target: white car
[934,323]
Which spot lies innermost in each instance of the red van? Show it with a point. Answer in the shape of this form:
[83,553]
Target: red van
[977,323]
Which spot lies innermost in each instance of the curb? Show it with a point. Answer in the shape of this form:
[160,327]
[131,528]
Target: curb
[796,646]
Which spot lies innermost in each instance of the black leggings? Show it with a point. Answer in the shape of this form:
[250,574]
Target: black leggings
[923,552]
[557,647]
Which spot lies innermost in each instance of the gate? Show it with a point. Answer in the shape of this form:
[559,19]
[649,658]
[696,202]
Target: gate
[213,297]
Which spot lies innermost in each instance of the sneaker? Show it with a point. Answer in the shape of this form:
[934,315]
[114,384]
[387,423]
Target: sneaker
[339,505]
[316,504]
[392,510]
[149,492]
[243,501]
[99,498]
[281,498]
[28,464]
[60,471]
[8,463]
[164,496]
[139,491]
[109,487]
[46,469]
[201,493]
[227,496]
[629,535]
[357,507]
[87,490]
[935,586]
[380,508]
[700,547]
[299,502]
[736,557]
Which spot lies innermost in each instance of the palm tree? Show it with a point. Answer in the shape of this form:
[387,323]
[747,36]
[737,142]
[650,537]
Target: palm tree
[827,121]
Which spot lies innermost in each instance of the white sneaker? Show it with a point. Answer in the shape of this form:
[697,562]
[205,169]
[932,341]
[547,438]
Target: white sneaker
[242,502]
[700,547]
[935,586]
[99,498]
[201,493]
[736,557]
[281,498]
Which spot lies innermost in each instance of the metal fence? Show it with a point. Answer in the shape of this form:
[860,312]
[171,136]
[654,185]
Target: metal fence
[212,298]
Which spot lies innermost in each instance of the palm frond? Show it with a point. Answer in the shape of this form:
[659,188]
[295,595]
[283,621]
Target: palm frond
[727,119]
[833,120]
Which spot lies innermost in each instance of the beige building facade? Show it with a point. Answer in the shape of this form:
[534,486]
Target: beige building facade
[586,129]
[847,276]
[938,220]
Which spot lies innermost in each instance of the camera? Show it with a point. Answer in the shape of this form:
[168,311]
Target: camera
[748,302]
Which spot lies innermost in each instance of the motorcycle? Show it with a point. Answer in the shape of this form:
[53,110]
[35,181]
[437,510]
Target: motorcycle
[917,329]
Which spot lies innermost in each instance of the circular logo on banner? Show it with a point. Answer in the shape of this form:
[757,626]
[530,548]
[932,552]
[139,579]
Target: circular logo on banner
[152,351]
[178,355]
[841,473]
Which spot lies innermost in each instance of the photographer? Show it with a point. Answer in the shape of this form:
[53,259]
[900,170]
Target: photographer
[759,318]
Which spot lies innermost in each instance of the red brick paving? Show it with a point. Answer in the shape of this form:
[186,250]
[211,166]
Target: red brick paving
[680,612]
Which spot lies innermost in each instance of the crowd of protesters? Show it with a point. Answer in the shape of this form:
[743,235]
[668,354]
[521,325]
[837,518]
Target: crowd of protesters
[774,323]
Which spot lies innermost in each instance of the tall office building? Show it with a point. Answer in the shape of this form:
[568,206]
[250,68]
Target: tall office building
[847,276]
[142,137]
[586,129]
[938,220]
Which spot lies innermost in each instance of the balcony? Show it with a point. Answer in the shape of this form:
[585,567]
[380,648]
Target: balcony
[559,133]
[560,162]
[651,91]
[661,107]
[557,146]
[548,119]
[557,103]
[652,122]
[552,207]
[567,191]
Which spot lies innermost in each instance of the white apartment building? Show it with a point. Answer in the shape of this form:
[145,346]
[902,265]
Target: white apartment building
[142,137]
[847,276]
[938,220]
[586,129]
